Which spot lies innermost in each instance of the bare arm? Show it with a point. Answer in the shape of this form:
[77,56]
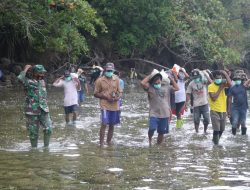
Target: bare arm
[247,83]
[145,82]
[209,80]
[215,95]
[229,100]
[185,73]
[175,86]
[56,82]
[86,88]
[187,100]
[77,83]
[229,82]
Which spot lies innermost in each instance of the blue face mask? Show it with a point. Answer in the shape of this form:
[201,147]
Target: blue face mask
[218,81]
[197,80]
[67,79]
[109,74]
[157,86]
[237,82]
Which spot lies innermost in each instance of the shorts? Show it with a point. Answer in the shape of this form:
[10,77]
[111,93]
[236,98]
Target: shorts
[161,124]
[218,120]
[201,110]
[238,117]
[81,95]
[110,117]
[70,109]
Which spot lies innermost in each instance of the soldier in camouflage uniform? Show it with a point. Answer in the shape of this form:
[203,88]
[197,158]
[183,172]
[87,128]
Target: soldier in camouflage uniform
[36,104]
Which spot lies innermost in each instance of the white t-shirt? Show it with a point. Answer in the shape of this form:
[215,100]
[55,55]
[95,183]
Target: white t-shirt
[180,95]
[70,92]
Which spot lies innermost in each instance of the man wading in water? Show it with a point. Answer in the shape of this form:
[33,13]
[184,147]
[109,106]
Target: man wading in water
[218,103]
[70,84]
[36,104]
[107,89]
[159,103]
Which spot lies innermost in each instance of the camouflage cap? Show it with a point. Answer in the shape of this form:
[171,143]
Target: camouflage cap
[39,69]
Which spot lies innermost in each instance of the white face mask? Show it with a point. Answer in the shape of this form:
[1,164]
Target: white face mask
[181,76]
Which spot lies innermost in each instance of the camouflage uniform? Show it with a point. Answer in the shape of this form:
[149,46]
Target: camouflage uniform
[36,107]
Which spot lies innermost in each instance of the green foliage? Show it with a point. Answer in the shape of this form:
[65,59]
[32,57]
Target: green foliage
[195,29]
[200,30]
[134,25]
[42,27]
[211,31]
[239,18]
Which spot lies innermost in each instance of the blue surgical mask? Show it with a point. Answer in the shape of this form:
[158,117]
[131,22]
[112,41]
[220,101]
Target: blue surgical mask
[237,82]
[157,86]
[109,74]
[68,78]
[218,81]
[197,80]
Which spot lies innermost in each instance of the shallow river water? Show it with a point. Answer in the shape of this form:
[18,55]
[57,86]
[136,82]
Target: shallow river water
[74,160]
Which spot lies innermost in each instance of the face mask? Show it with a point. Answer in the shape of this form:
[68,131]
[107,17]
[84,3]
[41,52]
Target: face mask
[197,80]
[157,86]
[67,79]
[237,82]
[109,74]
[181,76]
[218,81]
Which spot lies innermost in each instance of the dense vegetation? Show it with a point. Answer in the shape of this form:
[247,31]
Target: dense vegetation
[212,31]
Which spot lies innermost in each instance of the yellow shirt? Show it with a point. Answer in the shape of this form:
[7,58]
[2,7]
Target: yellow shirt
[220,104]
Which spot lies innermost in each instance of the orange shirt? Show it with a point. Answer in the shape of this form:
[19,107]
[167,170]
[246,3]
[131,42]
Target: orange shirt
[108,87]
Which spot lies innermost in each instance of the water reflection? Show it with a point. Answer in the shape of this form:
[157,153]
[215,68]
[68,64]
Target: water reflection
[74,160]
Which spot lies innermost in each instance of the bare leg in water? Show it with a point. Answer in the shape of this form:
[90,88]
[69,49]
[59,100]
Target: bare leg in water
[74,117]
[67,118]
[160,138]
[102,134]
[150,135]
[110,134]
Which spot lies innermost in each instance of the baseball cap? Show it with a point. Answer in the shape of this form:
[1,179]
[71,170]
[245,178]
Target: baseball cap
[110,66]
[195,73]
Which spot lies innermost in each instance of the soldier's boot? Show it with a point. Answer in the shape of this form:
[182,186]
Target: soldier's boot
[243,130]
[234,130]
[46,137]
[34,142]
[216,137]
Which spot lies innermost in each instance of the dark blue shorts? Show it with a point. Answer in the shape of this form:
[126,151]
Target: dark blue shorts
[70,109]
[161,124]
[110,117]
